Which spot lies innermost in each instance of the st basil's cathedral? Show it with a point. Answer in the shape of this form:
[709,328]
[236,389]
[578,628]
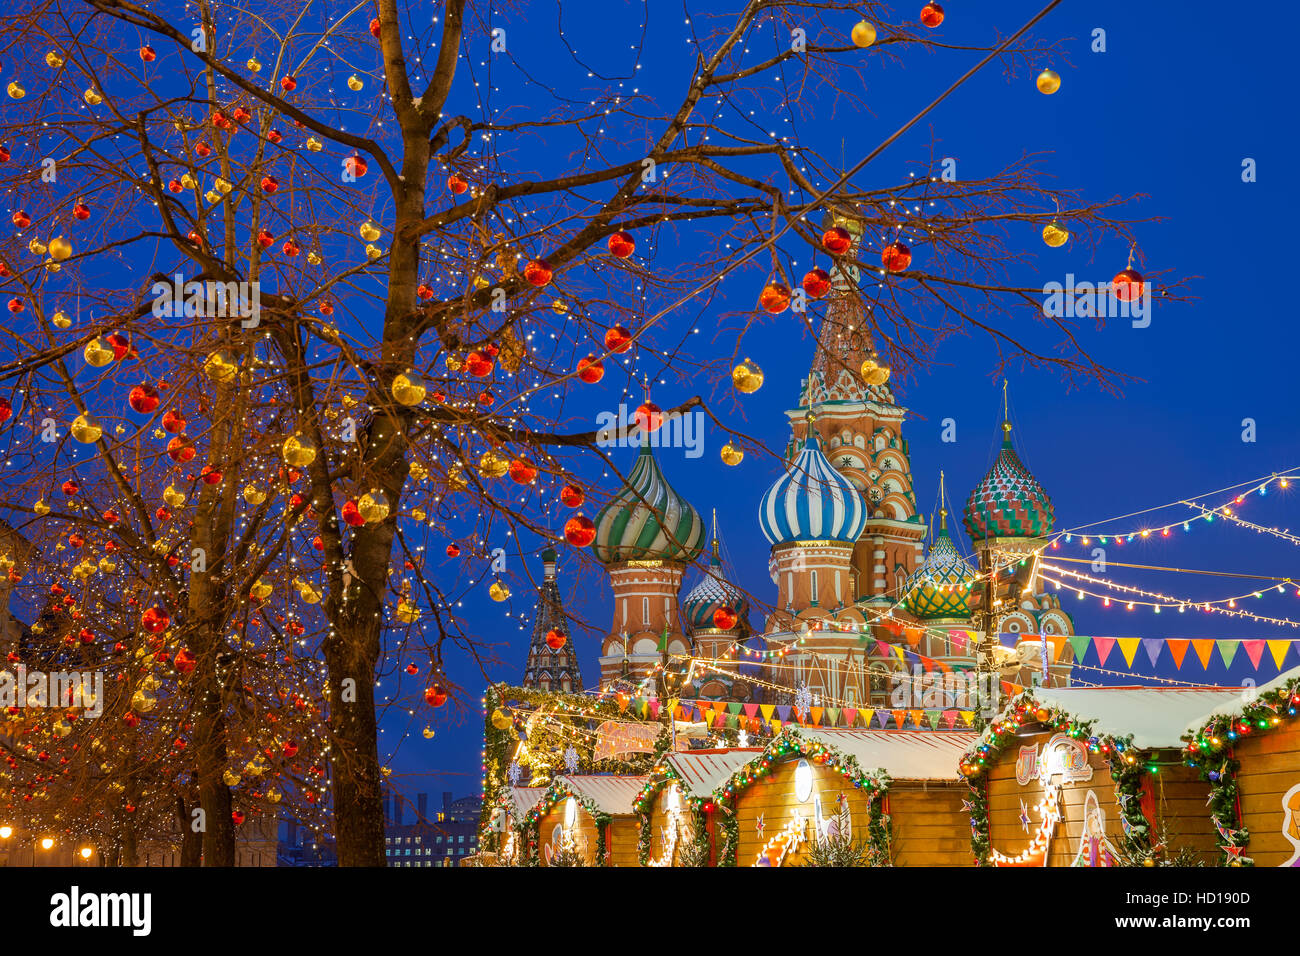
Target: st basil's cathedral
[853,583]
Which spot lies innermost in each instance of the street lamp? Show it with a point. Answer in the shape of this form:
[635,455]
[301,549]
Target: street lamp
[47,843]
[6,832]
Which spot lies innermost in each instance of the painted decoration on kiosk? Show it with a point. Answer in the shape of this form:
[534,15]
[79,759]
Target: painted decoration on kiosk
[1068,757]
[1027,765]
[1095,848]
[1291,822]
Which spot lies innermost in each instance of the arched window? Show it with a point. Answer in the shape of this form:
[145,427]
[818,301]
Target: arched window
[645,611]
[813,586]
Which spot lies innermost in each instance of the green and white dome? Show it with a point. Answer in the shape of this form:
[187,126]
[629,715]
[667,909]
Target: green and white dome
[648,520]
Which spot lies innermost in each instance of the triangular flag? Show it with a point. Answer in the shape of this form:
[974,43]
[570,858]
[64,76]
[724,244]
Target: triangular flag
[915,717]
[949,718]
[1254,648]
[957,640]
[913,635]
[927,664]
[882,717]
[1079,643]
[1128,646]
[816,713]
[1178,648]
[733,707]
[932,716]
[1278,649]
[1204,648]
[1228,650]
[719,705]
[883,649]
[967,717]
[1104,646]
[751,710]
[900,717]
[783,712]
[654,709]
[767,710]
[832,715]
[850,715]
[1152,646]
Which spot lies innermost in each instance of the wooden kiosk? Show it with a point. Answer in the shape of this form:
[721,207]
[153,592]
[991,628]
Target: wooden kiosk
[587,816]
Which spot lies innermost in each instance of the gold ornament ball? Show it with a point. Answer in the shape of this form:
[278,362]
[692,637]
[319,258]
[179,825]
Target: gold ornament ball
[498,592]
[408,390]
[864,34]
[407,612]
[309,594]
[747,377]
[1049,81]
[456,480]
[492,465]
[97,353]
[16,91]
[314,145]
[41,508]
[106,566]
[93,97]
[373,506]
[1054,235]
[298,451]
[230,778]
[354,83]
[254,64]
[500,720]
[36,247]
[221,367]
[86,430]
[873,373]
[254,495]
[428,733]
[731,455]
[373,251]
[369,231]
[60,249]
[260,590]
[173,497]
[53,60]
[61,321]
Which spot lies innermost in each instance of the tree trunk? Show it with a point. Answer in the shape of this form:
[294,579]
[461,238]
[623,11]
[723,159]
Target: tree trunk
[356,787]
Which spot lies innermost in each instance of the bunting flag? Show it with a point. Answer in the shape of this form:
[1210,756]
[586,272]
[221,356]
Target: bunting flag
[1128,646]
[1178,648]
[957,639]
[850,716]
[1152,646]
[915,717]
[816,715]
[733,707]
[1103,645]
[1204,648]
[832,715]
[1228,650]
[751,710]
[882,717]
[949,718]
[900,717]
[767,710]
[1079,644]
[1254,650]
[1278,649]
[967,716]
[783,712]
[932,718]
[867,714]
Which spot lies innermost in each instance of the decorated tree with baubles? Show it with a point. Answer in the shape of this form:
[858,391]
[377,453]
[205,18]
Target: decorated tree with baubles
[414,290]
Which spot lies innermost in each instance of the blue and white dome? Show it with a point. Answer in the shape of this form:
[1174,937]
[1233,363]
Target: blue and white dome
[713,592]
[812,501]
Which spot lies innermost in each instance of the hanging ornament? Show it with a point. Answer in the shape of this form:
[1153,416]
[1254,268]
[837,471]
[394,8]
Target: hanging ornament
[6,410]
[121,346]
[180,449]
[554,640]
[60,320]
[932,15]
[369,231]
[648,416]
[492,465]
[298,451]
[1127,285]
[775,298]
[621,244]
[618,339]
[221,367]
[538,272]
[571,496]
[837,240]
[896,256]
[16,91]
[355,166]
[498,592]
[1054,235]
[254,495]
[21,219]
[97,353]
[864,34]
[86,430]
[500,719]
[80,210]
[288,84]
[590,369]
[53,60]
[407,612]
[155,620]
[351,515]
[354,83]
[816,283]
[747,377]
[725,618]
[373,506]
[579,531]
[144,399]
[522,471]
[1048,82]
[731,454]
[456,480]
[457,185]
[93,97]
[436,695]
[874,373]
[478,364]
[173,497]
[60,249]
[407,389]
[173,421]
[453,551]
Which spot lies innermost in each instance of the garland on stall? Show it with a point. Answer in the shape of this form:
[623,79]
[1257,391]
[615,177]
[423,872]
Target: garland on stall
[1128,767]
[879,833]
[1210,751]
[557,793]
[729,826]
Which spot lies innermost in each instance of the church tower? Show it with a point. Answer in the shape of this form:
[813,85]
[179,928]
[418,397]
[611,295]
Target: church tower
[860,428]
[645,537]
[552,663]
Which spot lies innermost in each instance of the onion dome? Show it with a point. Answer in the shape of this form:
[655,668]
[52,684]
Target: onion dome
[711,594]
[647,520]
[940,587]
[812,501]
[1009,502]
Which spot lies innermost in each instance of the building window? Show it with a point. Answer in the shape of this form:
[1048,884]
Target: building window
[813,586]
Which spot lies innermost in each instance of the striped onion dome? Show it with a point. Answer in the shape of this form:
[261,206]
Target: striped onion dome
[940,587]
[1009,502]
[812,501]
[713,592]
[647,520]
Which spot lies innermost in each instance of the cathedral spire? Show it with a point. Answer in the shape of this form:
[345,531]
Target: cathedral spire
[552,662]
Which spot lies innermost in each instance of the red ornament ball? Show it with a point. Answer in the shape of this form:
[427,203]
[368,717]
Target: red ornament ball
[837,240]
[571,496]
[181,449]
[81,211]
[144,399]
[155,620]
[185,660]
[648,416]
[522,471]
[478,364]
[775,298]
[618,340]
[352,515]
[590,369]
[355,166]
[817,282]
[6,410]
[555,640]
[436,695]
[896,256]
[932,14]
[453,551]
[1127,285]
[374,27]
[725,618]
[621,244]
[173,421]
[288,84]
[148,54]
[538,272]
[579,531]
[457,185]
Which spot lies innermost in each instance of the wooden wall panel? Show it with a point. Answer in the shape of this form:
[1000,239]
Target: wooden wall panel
[928,826]
[623,835]
[584,834]
[1179,795]
[774,797]
[1270,767]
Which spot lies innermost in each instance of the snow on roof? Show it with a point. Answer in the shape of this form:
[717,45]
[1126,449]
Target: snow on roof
[903,754]
[523,799]
[1239,700]
[702,771]
[1155,716]
[614,794]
